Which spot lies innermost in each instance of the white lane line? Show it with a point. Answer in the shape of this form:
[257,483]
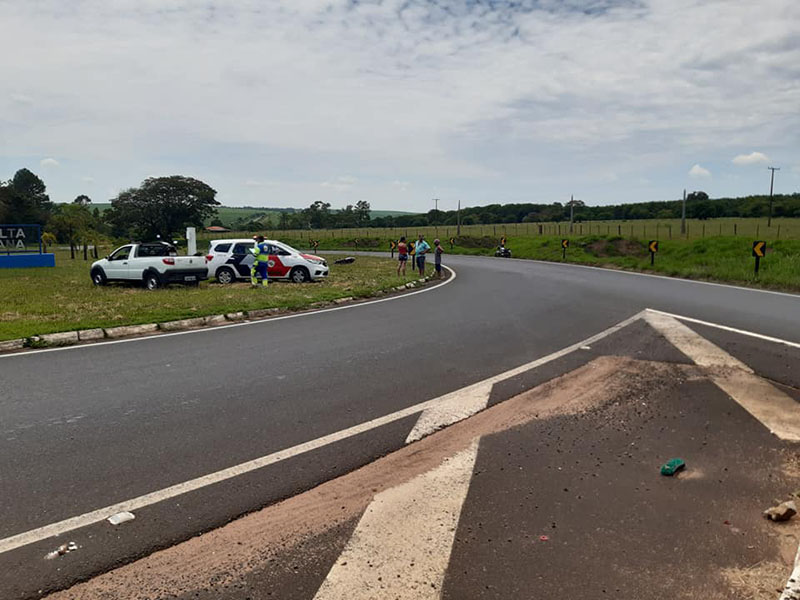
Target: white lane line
[792,589]
[402,544]
[760,336]
[777,411]
[308,313]
[635,273]
[95,516]
[463,403]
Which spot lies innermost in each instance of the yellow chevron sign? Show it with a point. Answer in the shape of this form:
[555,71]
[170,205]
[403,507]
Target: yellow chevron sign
[565,243]
[759,249]
[653,245]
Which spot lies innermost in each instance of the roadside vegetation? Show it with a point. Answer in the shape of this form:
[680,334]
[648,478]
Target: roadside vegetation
[722,259]
[38,301]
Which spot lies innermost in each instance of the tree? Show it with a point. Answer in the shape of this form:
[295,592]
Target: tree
[73,224]
[362,213]
[317,215]
[23,199]
[82,199]
[162,206]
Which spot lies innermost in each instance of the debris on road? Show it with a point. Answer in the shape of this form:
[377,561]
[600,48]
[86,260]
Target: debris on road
[543,538]
[345,261]
[586,347]
[121,517]
[61,550]
[672,466]
[783,512]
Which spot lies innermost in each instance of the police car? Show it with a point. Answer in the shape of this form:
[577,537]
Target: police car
[229,260]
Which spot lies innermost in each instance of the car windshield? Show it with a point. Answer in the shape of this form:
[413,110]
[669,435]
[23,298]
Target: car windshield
[287,247]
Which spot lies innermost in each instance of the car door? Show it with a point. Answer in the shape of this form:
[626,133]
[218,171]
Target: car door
[118,263]
[279,262]
[242,258]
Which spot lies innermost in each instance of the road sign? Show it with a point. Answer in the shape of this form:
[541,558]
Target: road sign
[652,246]
[564,246]
[759,251]
[565,243]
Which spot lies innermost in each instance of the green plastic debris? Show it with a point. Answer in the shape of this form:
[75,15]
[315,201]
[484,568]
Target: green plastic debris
[672,466]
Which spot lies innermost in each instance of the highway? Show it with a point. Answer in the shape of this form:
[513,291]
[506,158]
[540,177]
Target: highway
[87,427]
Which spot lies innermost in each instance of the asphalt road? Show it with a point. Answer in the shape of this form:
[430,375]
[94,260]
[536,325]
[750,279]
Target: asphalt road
[87,427]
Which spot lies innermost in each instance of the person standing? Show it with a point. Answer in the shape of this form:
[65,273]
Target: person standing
[402,256]
[260,265]
[437,258]
[422,248]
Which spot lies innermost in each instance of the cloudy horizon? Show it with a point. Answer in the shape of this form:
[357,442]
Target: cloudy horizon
[398,102]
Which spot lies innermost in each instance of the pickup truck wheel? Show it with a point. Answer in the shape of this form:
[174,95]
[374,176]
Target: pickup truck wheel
[98,277]
[151,281]
[299,275]
[225,275]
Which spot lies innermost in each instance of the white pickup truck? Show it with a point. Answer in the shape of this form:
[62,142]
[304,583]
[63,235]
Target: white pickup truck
[154,265]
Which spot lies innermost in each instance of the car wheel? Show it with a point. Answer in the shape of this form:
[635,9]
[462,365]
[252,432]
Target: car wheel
[225,275]
[99,277]
[299,275]
[151,281]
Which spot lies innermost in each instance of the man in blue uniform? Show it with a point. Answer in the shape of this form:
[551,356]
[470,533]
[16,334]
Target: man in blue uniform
[261,253]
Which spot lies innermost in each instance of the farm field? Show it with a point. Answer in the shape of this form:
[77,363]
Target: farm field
[662,229]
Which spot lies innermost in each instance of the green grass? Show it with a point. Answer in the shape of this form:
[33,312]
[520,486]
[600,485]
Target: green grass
[722,259]
[38,301]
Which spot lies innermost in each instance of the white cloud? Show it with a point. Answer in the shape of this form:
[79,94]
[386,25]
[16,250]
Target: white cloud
[754,158]
[256,183]
[699,172]
[401,185]
[341,183]
[49,162]
[87,179]
[482,98]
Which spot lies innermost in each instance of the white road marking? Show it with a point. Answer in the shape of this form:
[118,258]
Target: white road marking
[308,313]
[792,589]
[726,328]
[95,516]
[777,411]
[637,274]
[402,544]
[463,403]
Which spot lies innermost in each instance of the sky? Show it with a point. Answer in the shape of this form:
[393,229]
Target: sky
[398,102]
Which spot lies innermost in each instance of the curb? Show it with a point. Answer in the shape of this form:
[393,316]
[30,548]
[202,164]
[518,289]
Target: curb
[71,338]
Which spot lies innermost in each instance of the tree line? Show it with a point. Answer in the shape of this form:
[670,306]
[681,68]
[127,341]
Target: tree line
[164,206]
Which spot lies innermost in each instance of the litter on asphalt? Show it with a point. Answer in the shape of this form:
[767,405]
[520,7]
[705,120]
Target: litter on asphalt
[672,466]
[121,517]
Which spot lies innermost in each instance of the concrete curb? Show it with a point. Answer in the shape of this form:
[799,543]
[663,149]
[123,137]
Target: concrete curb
[69,338]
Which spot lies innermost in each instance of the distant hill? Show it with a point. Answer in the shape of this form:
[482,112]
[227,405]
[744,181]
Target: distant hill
[229,214]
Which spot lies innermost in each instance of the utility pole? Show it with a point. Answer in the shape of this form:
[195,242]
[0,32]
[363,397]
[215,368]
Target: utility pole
[771,181]
[436,204]
[683,214]
[458,219]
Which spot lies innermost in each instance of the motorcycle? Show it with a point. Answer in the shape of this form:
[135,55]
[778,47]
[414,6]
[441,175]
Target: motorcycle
[503,252]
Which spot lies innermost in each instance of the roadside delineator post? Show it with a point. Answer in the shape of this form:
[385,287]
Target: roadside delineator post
[759,251]
[653,247]
[564,246]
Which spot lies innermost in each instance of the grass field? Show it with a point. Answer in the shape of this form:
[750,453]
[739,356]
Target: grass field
[662,229]
[37,301]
